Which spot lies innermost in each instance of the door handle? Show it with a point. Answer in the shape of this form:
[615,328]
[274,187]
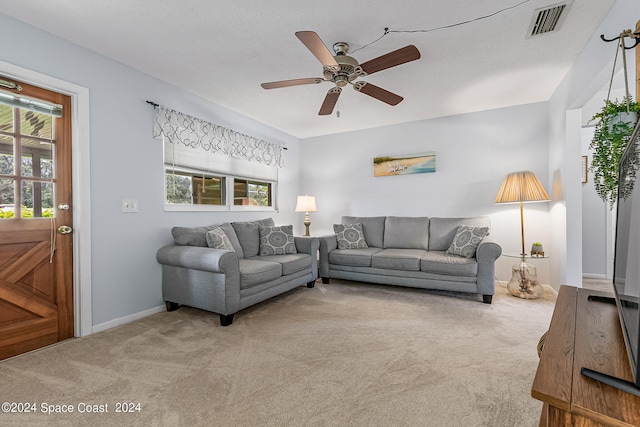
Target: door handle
[64,229]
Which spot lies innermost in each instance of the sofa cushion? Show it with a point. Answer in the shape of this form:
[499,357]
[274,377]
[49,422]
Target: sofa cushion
[253,272]
[350,236]
[398,259]
[442,230]
[249,236]
[357,257]
[372,226]
[277,240]
[466,240]
[291,263]
[406,232]
[439,262]
[217,239]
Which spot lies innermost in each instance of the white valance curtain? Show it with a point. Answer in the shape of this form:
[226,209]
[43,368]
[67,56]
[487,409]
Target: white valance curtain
[180,128]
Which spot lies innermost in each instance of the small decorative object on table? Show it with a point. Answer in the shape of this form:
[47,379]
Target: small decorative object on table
[537,249]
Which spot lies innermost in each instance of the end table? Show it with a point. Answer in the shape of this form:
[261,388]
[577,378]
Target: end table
[524,278]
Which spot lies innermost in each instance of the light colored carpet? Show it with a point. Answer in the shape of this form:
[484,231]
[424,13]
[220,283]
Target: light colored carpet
[343,354]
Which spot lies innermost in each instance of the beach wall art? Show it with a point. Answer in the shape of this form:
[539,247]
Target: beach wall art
[404,165]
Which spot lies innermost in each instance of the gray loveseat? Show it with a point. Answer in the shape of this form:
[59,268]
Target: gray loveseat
[413,252]
[220,269]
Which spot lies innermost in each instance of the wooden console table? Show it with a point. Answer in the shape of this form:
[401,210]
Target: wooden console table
[587,334]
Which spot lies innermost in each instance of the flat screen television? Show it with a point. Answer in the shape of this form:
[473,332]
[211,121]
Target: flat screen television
[626,266]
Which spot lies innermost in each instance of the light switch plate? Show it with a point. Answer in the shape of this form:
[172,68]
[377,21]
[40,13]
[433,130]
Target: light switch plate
[129,205]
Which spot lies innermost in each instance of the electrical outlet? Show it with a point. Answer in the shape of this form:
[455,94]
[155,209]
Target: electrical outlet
[129,205]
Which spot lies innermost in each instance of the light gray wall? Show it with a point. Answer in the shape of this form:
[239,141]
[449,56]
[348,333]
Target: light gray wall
[474,152]
[126,162]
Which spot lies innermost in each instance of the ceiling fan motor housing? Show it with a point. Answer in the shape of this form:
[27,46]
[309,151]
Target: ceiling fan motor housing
[349,67]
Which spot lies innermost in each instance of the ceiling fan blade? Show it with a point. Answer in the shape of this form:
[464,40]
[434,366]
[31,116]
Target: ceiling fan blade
[378,93]
[330,101]
[391,59]
[294,82]
[313,42]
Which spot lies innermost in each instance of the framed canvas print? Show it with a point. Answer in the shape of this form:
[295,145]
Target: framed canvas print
[404,165]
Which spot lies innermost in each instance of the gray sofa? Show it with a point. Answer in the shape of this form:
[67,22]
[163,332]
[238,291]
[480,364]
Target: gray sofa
[413,252]
[196,272]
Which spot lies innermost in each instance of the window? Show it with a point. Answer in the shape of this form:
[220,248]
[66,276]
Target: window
[251,193]
[209,167]
[183,188]
[26,163]
[188,187]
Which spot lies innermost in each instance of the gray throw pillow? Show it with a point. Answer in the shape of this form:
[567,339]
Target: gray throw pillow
[466,240]
[218,239]
[350,236]
[277,240]
[190,236]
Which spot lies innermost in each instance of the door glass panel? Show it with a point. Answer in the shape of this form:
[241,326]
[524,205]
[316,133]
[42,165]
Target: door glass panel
[36,158]
[37,199]
[36,124]
[7,200]
[6,118]
[6,156]
[27,163]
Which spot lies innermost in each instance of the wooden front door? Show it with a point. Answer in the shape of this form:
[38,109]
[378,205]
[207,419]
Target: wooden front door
[36,258]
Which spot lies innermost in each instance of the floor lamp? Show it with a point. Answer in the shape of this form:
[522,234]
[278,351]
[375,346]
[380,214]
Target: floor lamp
[523,187]
[306,204]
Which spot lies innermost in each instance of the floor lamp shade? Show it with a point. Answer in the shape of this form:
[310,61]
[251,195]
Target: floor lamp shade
[521,187]
[306,204]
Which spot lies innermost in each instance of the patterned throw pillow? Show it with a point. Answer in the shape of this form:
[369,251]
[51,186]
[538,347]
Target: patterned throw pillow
[466,240]
[217,239]
[350,236]
[277,240]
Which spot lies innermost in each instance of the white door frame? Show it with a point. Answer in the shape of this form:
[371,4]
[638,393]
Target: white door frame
[81,185]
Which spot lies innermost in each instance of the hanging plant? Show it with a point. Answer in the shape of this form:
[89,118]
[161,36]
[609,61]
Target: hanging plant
[615,124]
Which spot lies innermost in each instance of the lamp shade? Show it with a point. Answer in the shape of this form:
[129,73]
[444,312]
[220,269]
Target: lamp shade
[523,187]
[306,204]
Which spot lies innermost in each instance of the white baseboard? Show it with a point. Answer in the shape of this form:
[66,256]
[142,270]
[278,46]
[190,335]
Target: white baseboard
[126,319]
[594,276]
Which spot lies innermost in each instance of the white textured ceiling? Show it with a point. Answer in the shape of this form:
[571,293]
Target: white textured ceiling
[222,51]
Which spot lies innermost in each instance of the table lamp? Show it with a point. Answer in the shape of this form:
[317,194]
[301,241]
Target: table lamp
[306,204]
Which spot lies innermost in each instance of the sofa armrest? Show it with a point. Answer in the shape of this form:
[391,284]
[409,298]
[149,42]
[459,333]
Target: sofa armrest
[488,249]
[198,258]
[486,254]
[307,245]
[327,244]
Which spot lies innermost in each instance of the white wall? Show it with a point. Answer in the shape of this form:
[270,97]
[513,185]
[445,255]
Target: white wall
[595,233]
[474,152]
[126,162]
[589,74]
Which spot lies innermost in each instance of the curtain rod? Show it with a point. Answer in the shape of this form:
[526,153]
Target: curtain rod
[155,105]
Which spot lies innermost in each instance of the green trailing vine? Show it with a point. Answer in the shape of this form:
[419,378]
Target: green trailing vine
[609,141]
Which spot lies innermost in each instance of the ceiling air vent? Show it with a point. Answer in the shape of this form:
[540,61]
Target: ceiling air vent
[548,19]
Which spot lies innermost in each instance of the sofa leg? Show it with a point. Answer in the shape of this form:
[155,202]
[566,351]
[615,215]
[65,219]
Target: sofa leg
[487,299]
[172,306]
[226,319]
[325,280]
[311,284]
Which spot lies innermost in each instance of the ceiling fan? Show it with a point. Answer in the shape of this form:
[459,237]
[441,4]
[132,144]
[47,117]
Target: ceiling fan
[342,69]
